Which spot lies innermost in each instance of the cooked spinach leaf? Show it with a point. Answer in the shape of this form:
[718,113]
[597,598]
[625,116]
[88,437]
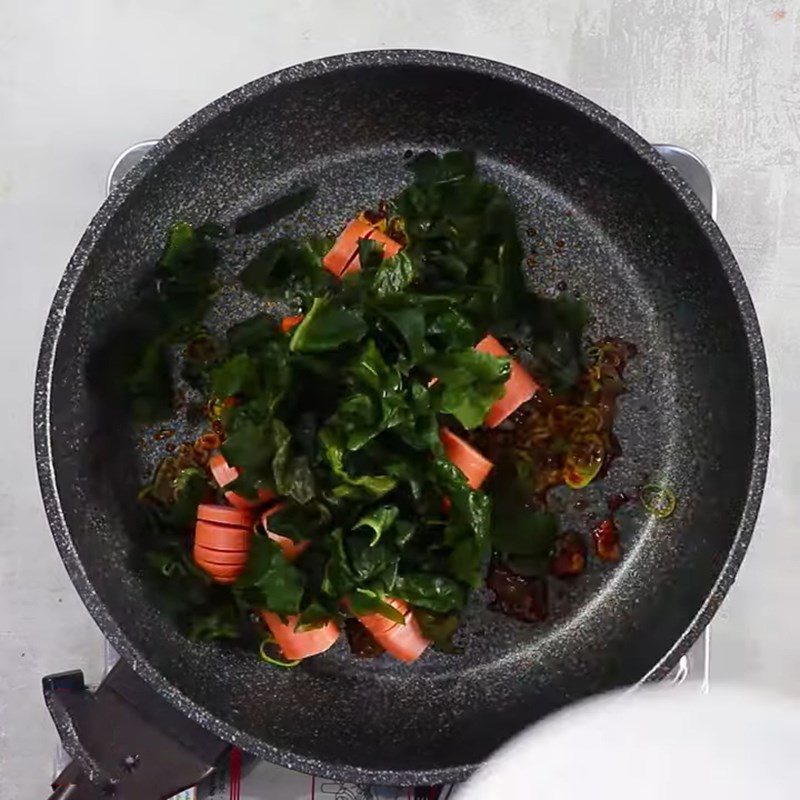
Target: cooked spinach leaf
[290,271]
[270,582]
[434,592]
[468,383]
[327,327]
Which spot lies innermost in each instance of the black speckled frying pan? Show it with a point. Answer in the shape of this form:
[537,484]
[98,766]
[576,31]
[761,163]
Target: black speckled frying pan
[638,246]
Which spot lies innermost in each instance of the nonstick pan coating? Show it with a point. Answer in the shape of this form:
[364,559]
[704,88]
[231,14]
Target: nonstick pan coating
[636,244]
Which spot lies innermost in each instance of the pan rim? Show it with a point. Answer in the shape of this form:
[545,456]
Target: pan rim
[316,68]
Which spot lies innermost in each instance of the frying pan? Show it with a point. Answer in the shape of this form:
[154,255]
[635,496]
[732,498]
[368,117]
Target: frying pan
[637,245]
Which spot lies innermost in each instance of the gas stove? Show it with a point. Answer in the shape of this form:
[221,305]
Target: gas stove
[239,777]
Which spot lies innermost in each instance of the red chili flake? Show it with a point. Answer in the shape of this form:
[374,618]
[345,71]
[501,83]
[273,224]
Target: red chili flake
[170,447]
[570,556]
[606,540]
[218,428]
[208,441]
[164,433]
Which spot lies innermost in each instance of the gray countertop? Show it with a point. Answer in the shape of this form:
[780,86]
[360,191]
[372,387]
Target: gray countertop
[79,81]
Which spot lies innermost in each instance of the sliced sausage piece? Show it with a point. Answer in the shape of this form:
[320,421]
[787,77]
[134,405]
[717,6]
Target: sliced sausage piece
[224,515]
[221,573]
[291,550]
[222,537]
[290,323]
[475,467]
[519,387]
[228,557]
[221,550]
[404,642]
[345,248]
[296,646]
[342,259]
[390,248]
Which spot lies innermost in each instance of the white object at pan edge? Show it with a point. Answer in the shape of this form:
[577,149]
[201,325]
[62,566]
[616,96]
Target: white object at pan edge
[654,744]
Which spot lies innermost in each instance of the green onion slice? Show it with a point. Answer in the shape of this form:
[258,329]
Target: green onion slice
[276,662]
[658,500]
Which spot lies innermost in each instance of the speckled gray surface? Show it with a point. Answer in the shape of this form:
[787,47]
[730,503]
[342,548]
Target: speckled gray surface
[641,249]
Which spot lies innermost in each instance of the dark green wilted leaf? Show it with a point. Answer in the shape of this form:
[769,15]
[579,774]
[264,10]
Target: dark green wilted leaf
[313,616]
[327,327]
[525,532]
[394,275]
[434,592]
[235,376]
[410,324]
[450,330]
[379,519]
[222,622]
[150,384]
[300,521]
[253,334]
[369,561]
[339,578]
[288,270]
[439,628]
[363,602]
[250,446]
[270,582]
[469,383]
[370,255]
[552,335]
[190,489]
[356,487]
[292,475]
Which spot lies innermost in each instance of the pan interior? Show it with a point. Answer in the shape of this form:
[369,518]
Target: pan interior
[649,275]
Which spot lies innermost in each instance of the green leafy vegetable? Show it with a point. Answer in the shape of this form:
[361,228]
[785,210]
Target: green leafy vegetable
[439,628]
[364,601]
[409,323]
[552,334]
[290,271]
[434,592]
[270,582]
[469,383]
[301,521]
[313,616]
[237,374]
[327,327]
[380,519]
[219,623]
[526,536]
[469,527]
[133,364]
[394,275]
[463,230]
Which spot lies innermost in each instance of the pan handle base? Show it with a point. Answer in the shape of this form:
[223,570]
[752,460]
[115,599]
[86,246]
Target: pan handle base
[125,740]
